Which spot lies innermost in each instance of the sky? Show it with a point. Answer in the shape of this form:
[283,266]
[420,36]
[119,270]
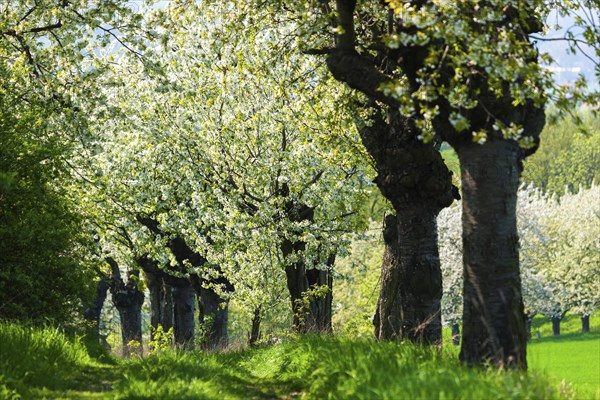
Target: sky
[567,66]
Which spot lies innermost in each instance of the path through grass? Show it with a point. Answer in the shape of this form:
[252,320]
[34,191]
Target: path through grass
[45,363]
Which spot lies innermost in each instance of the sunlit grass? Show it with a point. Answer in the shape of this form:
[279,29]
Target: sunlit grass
[35,362]
[45,363]
[572,356]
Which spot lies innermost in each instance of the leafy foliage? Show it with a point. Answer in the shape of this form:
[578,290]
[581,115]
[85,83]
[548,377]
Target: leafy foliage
[567,159]
[222,146]
[38,230]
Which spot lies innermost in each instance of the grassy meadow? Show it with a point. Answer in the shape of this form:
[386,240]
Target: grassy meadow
[48,364]
[571,356]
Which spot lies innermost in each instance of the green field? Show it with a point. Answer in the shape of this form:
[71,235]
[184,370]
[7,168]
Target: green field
[572,356]
[48,364]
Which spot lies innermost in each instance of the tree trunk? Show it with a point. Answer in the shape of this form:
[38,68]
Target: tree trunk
[413,176]
[213,315]
[184,300]
[320,304]
[494,328]
[556,325]
[455,334]
[254,335]
[128,300]
[161,304]
[585,324]
[311,297]
[529,322]
[310,289]
[167,307]
[297,286]
[409,304]
[93,312]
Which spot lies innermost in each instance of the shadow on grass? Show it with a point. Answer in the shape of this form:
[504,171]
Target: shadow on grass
[198,375]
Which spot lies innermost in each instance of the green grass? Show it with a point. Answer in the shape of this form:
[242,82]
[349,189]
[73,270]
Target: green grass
[36,362]
[325,368]
[571,356]
[44,363]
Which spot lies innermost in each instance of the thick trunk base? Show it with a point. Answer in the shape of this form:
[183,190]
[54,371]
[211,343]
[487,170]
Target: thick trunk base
[311,296]
[494,329]
[409,304]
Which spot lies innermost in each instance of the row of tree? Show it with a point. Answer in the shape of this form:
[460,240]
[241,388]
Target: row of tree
[210,146]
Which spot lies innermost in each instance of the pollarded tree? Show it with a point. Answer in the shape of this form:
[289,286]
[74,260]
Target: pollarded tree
[469,71]
[410,174]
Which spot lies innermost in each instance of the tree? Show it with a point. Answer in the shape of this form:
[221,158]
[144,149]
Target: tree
[573,262]
[469,72]
[230,173]
[44,50]
[39,241]
[128,297]
[472,70]
[411,174]
[558,249]
[567,158]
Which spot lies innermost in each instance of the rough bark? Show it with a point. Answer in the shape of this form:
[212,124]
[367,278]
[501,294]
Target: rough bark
[184,300]
[409,304]
[494,327]
[128,300]
[413,177]
[585,324]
